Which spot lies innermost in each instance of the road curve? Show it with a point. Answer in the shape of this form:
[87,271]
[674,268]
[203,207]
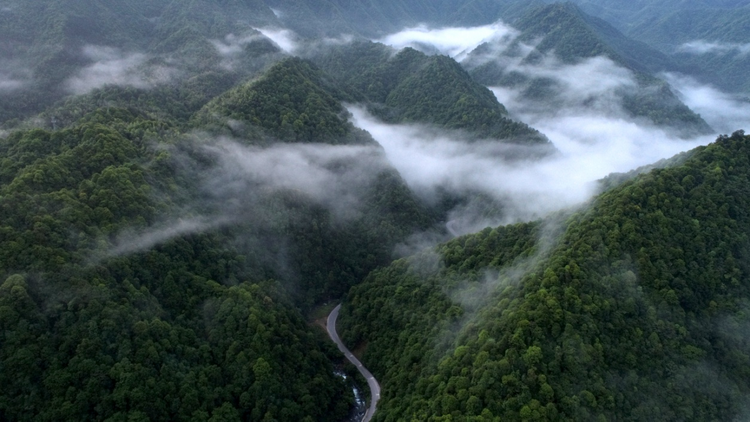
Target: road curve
[371,381]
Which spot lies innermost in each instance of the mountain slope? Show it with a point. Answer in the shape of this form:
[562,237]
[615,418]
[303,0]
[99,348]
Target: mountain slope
[636,312]
[171,332]
[291,101]
[564,32]
[411,87]
[50,44]
[158,284]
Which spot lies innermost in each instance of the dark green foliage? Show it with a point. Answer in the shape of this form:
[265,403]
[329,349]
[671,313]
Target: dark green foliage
[100,326]
[291,102]
[412,87]
[172,333]
[637,312]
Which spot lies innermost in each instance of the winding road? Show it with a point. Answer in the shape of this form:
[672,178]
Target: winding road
[371,381]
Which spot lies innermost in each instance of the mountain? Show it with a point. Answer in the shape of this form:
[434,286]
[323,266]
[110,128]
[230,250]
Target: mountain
[176,331]
[564,32]
[184,193]
[71,47]
[706,39]
[630,309]
[291,101]
[634,17]
[410,87]
[705,46]
[293,104]
[142,273]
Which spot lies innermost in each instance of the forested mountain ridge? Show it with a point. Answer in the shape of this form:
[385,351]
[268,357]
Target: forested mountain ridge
[292,100]
[182,188]
[175,332]
[57,48]
[410,87]
[109,293]
[631,315]
[633,18]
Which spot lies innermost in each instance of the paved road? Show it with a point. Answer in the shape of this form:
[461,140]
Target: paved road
[371,381]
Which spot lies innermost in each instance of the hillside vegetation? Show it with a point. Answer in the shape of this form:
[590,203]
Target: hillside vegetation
[411,87]
[635,312]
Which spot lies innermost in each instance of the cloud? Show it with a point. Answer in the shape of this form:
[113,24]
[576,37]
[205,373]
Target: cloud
[722,111]
[9,83]
[700,47]
[453,42]
[136,241]
[333,176]
[233,45]
[590,147]
[286,39]
[243,183]
[573,82]
[593,83]
[13,76]
[578,107]
[110,66]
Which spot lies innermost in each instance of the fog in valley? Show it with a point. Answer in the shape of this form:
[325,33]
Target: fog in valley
[585,122]
[111,66]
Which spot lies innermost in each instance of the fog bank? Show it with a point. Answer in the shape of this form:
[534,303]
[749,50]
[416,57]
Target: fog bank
[111,66]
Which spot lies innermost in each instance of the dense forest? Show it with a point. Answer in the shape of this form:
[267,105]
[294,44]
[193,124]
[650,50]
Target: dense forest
[185,189]
[409,86]
[632,313]
[211,323]
[175,332]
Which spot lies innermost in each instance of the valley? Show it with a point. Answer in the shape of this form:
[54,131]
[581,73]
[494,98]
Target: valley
[528,211]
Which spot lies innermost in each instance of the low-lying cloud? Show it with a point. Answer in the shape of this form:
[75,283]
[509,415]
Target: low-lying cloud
[13,76]
[724,112]
[700,47]
[286,39]
[453,42]
[590,147]
[330,175]
[580,111]
[569,86]
[243,181]
[111,66]
[9,83]
[233,45]
[140,240]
